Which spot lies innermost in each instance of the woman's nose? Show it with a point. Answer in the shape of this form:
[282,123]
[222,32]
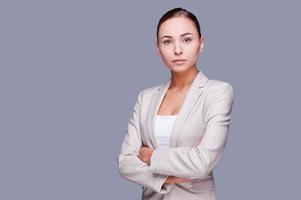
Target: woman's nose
[178,48]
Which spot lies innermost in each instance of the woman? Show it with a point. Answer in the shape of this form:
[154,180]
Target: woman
[178,129]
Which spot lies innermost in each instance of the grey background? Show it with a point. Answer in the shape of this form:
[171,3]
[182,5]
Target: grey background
[71,71]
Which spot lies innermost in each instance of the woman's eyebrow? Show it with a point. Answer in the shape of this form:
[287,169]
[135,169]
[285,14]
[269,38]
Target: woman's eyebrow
[184,34]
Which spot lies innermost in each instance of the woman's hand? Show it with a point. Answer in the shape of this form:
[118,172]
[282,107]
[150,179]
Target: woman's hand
[145,154]
[173,179]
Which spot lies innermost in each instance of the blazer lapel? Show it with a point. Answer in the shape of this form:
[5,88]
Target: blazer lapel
[190,100]
[153,110]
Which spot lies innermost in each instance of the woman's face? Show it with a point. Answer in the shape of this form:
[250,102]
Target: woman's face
[179,44]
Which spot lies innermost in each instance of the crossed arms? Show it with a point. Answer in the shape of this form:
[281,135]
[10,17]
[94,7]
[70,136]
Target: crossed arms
[158,169]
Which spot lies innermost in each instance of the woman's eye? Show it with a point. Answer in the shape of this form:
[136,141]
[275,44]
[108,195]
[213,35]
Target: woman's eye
[187,40]
[166,42]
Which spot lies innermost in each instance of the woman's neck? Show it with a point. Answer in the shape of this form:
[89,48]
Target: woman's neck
[183,79]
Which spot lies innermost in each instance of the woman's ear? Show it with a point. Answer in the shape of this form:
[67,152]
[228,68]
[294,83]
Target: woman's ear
[201,44]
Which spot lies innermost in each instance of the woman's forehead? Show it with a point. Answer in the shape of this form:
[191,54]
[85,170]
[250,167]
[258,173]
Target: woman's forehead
[177,26]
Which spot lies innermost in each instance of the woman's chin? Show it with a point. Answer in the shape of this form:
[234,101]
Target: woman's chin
[179,68]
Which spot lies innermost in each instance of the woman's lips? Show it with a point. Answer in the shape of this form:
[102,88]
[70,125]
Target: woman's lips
[179,61]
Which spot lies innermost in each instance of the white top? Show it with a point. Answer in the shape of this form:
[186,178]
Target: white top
[163,126]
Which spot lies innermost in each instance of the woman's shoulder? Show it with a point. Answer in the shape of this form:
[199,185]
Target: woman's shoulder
[219,87]
[146,94]
[217,84]
[151,90]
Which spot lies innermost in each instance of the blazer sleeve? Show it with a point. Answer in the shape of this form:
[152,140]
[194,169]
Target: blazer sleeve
[197,162]
[131,167]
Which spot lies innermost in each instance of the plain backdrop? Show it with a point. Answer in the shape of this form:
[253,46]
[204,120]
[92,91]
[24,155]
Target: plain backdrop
[70,73]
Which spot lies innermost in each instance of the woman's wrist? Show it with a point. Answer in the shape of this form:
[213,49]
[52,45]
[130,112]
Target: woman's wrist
[168,180]
[173,179]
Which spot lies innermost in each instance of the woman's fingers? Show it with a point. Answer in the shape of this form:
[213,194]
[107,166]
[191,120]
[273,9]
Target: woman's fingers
[145,154]
[173,179]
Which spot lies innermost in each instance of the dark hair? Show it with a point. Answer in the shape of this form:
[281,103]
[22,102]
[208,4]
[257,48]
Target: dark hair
[177,12]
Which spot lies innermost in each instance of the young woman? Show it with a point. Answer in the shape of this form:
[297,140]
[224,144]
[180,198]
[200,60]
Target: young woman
[179,129]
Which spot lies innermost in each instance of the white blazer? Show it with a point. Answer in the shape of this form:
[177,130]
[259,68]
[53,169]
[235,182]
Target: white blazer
[197,141]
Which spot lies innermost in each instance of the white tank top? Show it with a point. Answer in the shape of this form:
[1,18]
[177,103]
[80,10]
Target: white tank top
[163,127]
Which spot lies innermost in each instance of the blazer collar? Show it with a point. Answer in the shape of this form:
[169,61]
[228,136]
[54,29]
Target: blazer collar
[191,98]
[199,81]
